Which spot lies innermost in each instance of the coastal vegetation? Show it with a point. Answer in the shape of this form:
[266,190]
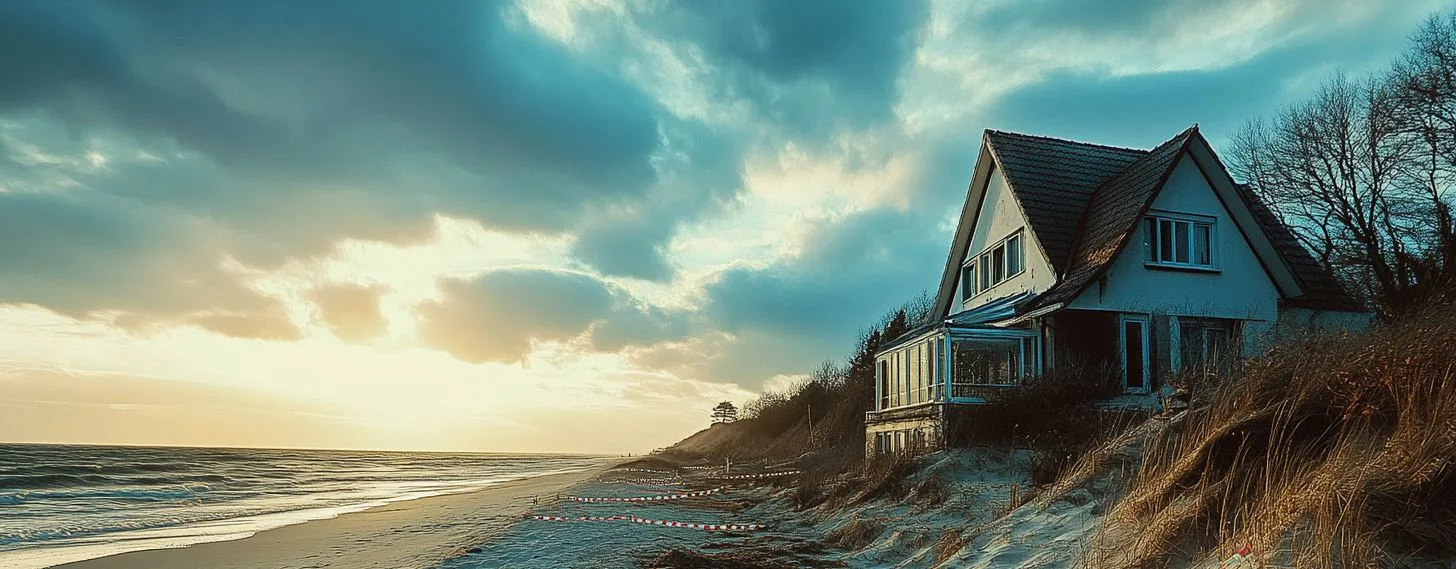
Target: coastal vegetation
[1333,450]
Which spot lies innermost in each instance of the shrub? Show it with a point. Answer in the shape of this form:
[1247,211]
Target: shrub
[1054,416]
[855,535]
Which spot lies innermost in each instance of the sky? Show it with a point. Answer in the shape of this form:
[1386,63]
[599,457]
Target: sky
[540,226]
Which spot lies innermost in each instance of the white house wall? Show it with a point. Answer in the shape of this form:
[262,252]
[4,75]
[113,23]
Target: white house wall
[1240,290]
[999,217]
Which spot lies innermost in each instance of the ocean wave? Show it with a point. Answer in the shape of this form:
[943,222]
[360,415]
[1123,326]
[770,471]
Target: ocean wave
[174,493]
[23,481]
[45,481]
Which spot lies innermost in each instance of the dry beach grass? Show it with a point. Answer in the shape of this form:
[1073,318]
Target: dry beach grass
[1329,452]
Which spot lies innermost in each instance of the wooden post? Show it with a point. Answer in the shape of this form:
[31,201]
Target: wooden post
[811,424]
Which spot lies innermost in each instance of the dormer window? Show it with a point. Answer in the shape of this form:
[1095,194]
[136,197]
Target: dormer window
[1179,241]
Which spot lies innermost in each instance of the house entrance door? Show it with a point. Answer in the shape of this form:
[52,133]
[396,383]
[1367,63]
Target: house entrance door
[1133,341]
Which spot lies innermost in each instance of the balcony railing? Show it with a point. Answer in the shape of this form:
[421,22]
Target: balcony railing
[916,411]
[977,390]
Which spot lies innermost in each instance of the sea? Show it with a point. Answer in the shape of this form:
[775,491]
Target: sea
[67,503]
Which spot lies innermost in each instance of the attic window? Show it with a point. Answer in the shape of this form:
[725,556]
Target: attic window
[998,263]
[1178,241]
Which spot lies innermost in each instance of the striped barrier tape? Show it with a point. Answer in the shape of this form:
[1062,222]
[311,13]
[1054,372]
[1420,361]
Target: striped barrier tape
[764,475]
[710,527]
[643,481]
[663,523]
[647,470]
[646,498]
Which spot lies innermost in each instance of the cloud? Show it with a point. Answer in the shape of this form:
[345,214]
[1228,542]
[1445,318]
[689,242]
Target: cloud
[807,68]
[350,311]
[1146,108]
[354,119]
[786,316]
[157,154]
[497,315]
[87,255]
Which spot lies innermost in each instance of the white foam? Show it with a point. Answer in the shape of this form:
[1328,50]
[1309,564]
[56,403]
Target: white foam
[58,552]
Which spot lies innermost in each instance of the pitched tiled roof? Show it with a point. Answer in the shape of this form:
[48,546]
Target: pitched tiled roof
[1083,202]
[1320,288]
[1111,216]
[1053,179]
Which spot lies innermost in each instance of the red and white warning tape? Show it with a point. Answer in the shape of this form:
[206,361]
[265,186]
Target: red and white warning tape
[763,475]
[646,498]
[710,527]
[664,523]
[643,481]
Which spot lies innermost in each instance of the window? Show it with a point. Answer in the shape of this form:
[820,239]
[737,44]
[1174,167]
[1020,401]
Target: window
[986,281]
[926,371]
[1013,254]
[884,384]
[894,380]
[998,263]
[990,362]
[913,389]
[968,281]
[1205,346]
[1178,242]
[937,364]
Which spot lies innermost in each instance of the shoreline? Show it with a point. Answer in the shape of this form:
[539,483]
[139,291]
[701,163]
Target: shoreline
[421,533]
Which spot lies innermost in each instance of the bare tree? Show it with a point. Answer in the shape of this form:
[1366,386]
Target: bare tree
[828,374]
[1360,172]
[1425,80]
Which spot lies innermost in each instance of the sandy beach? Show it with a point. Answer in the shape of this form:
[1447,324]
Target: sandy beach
[416,533]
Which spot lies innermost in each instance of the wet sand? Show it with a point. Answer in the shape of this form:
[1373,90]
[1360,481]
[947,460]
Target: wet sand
[412,534]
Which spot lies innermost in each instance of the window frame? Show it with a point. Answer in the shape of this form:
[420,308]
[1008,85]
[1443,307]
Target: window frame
[983,264]
[969,280]
[1154,248]
[1201,336]
[1019,363]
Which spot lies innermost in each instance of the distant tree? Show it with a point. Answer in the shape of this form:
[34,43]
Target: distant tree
[828,374]
[725,412]
[898,325]
[920,309]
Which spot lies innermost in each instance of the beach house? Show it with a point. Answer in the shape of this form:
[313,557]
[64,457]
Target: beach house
[1147,263]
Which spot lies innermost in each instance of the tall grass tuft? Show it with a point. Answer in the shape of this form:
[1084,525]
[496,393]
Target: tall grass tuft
[1328,452]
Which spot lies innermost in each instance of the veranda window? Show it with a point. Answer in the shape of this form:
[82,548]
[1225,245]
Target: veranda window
[990,362]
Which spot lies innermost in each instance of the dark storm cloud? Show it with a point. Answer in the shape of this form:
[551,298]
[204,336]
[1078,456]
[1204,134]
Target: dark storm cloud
[395,110]
[496,316]
[810,66]
[699,170]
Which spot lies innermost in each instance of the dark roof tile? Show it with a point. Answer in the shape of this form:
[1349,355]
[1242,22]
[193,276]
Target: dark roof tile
[1083,202]
[1053,179]
[1112,213]
[1321,289]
